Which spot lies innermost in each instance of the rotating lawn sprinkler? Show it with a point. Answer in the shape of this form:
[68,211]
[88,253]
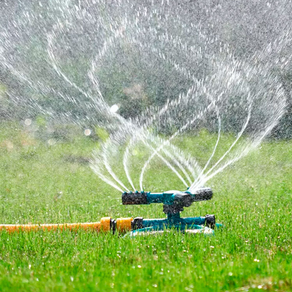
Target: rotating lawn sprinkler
[173,203]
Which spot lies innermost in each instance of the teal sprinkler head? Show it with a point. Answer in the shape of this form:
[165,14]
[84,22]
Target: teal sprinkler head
[173,203]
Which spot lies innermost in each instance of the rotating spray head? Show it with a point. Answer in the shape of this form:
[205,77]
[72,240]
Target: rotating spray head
[173,201]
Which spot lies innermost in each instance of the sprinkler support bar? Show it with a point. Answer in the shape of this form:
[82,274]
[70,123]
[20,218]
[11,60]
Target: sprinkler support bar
[173,204]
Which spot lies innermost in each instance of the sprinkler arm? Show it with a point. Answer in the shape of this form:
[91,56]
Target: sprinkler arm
[173,201]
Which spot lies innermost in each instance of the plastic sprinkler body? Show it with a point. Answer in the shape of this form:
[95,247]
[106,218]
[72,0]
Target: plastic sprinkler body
[173,203]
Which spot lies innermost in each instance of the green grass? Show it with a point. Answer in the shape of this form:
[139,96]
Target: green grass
[43,184]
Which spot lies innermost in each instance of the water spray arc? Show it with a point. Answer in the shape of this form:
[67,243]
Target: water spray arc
[190,78]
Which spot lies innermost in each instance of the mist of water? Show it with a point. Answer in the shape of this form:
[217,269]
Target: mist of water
[168,67]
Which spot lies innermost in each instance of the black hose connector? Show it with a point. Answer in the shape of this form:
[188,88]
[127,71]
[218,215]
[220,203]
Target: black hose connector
[210,221]
[137,223]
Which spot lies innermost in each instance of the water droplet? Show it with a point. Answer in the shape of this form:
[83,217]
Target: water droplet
[27,122]
[114,108]
[51,142]
[87,132]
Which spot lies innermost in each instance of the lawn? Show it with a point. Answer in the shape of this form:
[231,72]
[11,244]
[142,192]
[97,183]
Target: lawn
[41,183]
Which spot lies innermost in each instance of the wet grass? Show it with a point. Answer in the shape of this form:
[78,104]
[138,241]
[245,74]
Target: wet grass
[42,184]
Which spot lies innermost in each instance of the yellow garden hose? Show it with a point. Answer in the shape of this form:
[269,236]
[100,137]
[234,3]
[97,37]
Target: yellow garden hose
[105,224]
